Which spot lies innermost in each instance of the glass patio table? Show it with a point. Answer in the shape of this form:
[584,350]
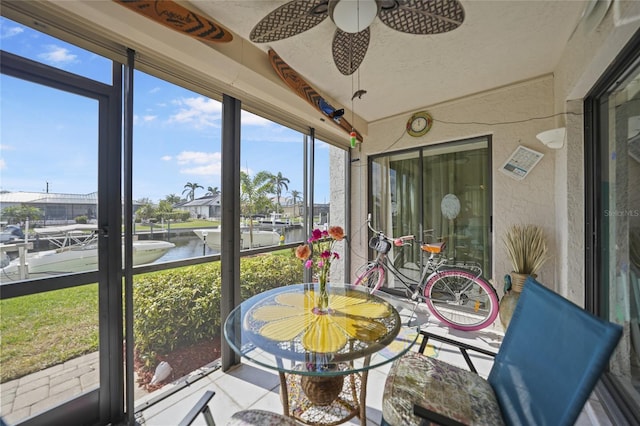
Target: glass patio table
[322,357]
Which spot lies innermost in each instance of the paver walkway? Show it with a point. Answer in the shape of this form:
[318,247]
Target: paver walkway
[37,392]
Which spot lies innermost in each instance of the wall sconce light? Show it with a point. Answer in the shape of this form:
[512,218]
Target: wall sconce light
[553,138]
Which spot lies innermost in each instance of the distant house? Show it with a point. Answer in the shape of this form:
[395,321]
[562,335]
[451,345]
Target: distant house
[207,207]
[289,210]
[55,208]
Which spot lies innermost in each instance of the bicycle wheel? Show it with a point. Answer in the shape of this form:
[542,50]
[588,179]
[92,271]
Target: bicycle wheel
[371,276]
[461,300]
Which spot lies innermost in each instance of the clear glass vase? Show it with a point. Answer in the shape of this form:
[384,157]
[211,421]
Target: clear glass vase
[322,300]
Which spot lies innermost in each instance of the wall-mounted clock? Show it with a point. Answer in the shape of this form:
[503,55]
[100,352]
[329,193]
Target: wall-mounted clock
[419,124]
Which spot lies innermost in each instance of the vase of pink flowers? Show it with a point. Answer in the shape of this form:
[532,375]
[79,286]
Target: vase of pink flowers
[319,253]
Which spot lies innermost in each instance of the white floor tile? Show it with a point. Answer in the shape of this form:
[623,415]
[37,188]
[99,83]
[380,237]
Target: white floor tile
[251,386]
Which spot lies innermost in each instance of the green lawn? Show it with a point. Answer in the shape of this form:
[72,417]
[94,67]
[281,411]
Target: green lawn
[196,223]
[45,329]
[40,330]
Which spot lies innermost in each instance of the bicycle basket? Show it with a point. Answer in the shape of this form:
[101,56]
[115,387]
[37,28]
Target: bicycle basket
[382,246]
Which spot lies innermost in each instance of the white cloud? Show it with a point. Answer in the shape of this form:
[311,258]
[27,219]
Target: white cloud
[8,32]
[143,119]
[58,55]
[154,90]
[166,158]
[200,163]
[199,111]
[3,164]
[254,120]
[207,170]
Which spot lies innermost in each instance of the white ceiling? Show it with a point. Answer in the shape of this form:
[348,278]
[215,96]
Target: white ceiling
[500,42]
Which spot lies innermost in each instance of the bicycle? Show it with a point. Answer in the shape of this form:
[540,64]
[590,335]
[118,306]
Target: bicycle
[454,293]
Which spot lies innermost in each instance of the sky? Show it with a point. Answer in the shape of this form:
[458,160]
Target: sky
[48,138]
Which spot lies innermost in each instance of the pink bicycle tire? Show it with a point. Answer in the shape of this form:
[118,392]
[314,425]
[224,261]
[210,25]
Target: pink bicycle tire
[363,278]
[488,289]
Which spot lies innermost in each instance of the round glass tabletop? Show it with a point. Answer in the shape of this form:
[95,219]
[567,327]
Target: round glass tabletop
[282,328]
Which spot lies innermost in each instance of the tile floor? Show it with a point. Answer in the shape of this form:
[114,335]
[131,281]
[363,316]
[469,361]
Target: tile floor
[252,386]
[245,386]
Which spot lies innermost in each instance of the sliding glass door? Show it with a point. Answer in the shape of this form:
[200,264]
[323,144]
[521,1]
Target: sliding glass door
[60,281]
[438,192]
[612,149]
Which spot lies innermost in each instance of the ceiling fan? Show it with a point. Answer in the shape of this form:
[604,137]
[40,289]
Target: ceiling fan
[352,19]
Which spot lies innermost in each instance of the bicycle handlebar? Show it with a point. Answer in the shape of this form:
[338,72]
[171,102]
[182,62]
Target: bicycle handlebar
[405,240]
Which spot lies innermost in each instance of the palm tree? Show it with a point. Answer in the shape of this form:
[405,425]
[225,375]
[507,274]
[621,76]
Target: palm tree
[212,191]
[190,189]
[173,198]
[253,191]
[294,196]
[279,182]
[145,211]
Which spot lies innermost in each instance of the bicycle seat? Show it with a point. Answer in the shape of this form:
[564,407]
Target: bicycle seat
[433,247]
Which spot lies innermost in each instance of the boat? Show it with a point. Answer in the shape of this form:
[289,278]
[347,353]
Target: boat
[276,220]
[77,252]
[248,239]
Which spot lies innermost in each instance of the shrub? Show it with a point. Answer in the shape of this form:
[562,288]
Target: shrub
[181,307]
[81,219]
[261,273]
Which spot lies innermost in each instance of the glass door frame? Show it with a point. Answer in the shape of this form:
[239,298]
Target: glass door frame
[617,403]
[105,404]
[420,151]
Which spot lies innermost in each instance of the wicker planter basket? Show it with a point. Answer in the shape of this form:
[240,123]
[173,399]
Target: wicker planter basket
[517,281]
[322,390]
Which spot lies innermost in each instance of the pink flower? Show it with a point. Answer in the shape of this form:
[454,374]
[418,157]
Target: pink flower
[315,235]
[321,243]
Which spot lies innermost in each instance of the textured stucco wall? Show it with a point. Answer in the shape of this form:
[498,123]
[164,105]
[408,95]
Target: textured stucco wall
[587,54]
[569,233]
[511,116]
[553,194]
[337,212]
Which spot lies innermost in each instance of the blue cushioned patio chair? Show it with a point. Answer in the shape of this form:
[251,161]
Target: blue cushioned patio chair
[550,359]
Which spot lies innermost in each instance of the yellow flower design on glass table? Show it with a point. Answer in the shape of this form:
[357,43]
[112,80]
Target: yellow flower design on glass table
[349,317]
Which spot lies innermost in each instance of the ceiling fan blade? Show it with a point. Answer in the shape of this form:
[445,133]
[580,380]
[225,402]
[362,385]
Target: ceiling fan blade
[290,19]
[349,49]
[422,16]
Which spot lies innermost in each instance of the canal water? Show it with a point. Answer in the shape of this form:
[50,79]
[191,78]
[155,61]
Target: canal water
[187,246]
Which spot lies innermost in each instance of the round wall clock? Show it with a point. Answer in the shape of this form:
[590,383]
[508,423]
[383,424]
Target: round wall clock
[419,124]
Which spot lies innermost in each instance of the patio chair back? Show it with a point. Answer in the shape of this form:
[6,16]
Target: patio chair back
[552,355]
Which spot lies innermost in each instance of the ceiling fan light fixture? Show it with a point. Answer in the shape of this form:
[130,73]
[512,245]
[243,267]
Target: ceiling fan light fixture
[353,16]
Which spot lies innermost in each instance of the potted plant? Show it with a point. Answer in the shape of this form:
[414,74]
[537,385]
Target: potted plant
[528,251]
